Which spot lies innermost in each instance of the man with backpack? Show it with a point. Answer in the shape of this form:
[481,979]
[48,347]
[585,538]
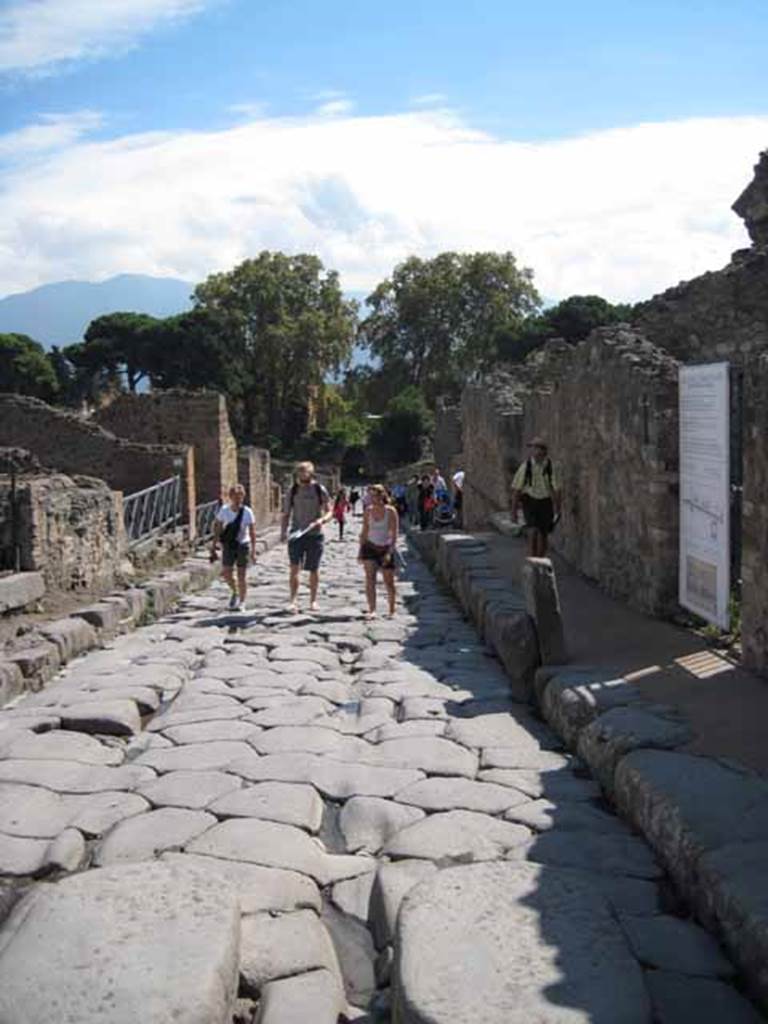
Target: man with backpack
[535,487]
[235,528]
[307,508]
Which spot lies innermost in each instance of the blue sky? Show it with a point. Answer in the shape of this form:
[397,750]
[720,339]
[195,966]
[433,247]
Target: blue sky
[601,141]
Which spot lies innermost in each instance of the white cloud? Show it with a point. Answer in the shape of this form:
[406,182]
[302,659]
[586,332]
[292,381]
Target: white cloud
[50,131]
[622,213]
[36,35]
[334,108]
[430,99]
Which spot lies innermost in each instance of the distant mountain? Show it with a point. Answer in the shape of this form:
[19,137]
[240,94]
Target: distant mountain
[58,314]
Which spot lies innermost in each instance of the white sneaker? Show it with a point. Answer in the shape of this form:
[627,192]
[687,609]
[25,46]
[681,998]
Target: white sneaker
[240,606]
[234,601]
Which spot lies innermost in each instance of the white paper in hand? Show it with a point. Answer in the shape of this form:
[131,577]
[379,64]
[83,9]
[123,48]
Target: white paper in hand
[296,534]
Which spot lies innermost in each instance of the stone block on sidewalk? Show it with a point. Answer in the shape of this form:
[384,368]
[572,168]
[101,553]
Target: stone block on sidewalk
[11,681]
[511,634]
[71,636]
[543,604]
[38,663]
[104,616]
[19,590]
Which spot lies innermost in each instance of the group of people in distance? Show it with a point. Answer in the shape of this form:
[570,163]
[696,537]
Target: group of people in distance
[306,510]
[308,507]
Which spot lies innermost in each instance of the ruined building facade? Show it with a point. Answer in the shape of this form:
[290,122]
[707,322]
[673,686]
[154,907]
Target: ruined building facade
[609,409]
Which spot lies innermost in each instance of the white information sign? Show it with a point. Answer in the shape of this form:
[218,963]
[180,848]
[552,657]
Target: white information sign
[705,536]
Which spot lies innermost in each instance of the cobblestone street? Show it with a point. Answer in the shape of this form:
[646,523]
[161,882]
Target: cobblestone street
[233,809]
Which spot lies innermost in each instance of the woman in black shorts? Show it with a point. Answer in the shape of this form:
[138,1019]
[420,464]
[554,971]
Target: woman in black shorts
[377,547]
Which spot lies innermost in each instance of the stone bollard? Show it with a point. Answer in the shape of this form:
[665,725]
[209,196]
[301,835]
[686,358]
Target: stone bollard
[543,604]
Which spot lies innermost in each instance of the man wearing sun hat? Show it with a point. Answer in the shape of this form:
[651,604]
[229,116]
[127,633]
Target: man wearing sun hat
[536,488]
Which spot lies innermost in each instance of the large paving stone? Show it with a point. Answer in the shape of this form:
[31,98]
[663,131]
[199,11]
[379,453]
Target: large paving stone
[259,889]
[672,944]
[524,943]
[194,790]
[65,746]
[111,717]
[586,851]
[196,757]
[32,812]
[368,822]
[428,754]
[353,896]
[307,652]
[300,711]
[392,882]
[556,785]
[145,835]
[274,845]
[289,803]
[338,780]
[70,777]
[457,836]
[679,997]
[172,718]
[151,943]
[20,855]
[311,739]
[405,730]
[500,730]
[206,732]
[96,813]
[569,815]
[451,794]
[522,756]
[273,947]
[315,996]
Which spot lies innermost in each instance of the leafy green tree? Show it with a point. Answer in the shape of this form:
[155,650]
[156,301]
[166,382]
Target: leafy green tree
[25,368]
[399,436]
[572,319]
[289,325]
[437,321]
[118,343]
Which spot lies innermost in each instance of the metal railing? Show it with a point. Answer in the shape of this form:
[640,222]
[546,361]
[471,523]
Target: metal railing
[152,510]
[205,516]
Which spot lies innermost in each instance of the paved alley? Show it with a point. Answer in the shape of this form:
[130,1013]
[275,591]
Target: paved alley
[313,818]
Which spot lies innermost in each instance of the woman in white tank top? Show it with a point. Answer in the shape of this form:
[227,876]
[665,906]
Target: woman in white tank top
[377,547]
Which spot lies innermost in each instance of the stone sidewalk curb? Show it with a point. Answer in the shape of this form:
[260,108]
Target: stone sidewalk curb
[57,642]
[706,819]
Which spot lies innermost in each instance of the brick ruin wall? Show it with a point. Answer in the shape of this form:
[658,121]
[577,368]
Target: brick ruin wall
[196,418]
[69,529]
[79,447]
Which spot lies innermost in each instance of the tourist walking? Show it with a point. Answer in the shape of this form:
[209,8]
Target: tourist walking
[412,500]
[306,510]
[340,506]
[536,489]
[354,497]
[427,502]
[378,541]
[235,529]
[458,495]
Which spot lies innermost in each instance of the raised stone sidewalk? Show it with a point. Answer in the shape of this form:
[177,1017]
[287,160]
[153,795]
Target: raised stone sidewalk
[318,819]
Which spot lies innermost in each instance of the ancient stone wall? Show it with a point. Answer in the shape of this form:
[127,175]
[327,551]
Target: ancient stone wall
[75,446]
[447,443]
[255,474]
[197,418]
[608,409]
[612,423]
[68,529]
[754,555]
